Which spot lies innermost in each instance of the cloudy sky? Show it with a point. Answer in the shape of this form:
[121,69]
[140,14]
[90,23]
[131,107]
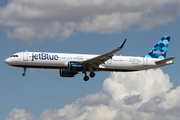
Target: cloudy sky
[92,27]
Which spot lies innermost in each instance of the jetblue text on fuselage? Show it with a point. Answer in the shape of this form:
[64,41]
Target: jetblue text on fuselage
[44,56]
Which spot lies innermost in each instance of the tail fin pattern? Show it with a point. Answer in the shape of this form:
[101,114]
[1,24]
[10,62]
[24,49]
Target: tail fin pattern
[160,49]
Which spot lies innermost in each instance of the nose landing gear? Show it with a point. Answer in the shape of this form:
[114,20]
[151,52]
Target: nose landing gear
[24,74]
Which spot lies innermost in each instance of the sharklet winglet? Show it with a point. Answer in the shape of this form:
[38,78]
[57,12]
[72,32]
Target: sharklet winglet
[122,44]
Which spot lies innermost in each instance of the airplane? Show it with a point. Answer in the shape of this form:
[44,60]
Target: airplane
[70,65]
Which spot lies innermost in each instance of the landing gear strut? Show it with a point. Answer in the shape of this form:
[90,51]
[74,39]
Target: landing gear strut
[24,74]
[86,78]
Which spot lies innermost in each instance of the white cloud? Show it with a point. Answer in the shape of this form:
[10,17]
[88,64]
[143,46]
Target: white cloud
[171,99]
[19,114]
[100,112]
[27,20]
[95,99]
[137,83]
[23,33]
[144,95]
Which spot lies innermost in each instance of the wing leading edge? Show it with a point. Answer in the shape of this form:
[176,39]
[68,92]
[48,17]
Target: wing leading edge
[96,61]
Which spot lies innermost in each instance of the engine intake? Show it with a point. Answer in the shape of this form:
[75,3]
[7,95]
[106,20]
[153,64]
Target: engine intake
[66,73]
[75,66]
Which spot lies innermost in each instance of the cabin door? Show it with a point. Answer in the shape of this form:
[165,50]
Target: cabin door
[25,56]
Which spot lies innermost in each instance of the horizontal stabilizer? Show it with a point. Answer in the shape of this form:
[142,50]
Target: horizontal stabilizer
[164,60]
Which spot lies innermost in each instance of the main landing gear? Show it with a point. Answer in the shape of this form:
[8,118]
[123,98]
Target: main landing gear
[24,73]
[86,78]
[92,74]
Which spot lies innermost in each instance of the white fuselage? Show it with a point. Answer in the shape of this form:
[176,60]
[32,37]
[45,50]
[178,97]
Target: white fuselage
[60,61]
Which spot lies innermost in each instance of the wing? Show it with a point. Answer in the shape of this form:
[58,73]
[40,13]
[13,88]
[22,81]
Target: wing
[96,61]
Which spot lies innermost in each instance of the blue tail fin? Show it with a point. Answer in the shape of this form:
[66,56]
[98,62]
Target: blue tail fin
[160,49]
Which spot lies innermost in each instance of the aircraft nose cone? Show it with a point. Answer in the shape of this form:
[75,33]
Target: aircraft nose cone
[7,61]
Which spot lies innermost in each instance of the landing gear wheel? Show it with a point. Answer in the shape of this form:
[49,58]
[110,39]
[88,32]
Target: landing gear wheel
[86,78]
[92,74]
[24,74]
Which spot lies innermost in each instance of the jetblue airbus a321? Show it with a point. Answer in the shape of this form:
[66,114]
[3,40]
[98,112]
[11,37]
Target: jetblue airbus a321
[71,64]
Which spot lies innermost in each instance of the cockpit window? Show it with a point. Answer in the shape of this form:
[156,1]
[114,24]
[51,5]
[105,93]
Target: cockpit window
[14,56]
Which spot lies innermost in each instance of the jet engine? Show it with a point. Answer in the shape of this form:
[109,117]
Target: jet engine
[75,66]
[66,73]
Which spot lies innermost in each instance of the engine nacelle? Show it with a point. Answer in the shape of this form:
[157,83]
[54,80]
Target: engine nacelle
[75,66]
[66,73]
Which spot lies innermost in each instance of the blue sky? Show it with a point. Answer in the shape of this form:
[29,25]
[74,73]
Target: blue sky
[32,26]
